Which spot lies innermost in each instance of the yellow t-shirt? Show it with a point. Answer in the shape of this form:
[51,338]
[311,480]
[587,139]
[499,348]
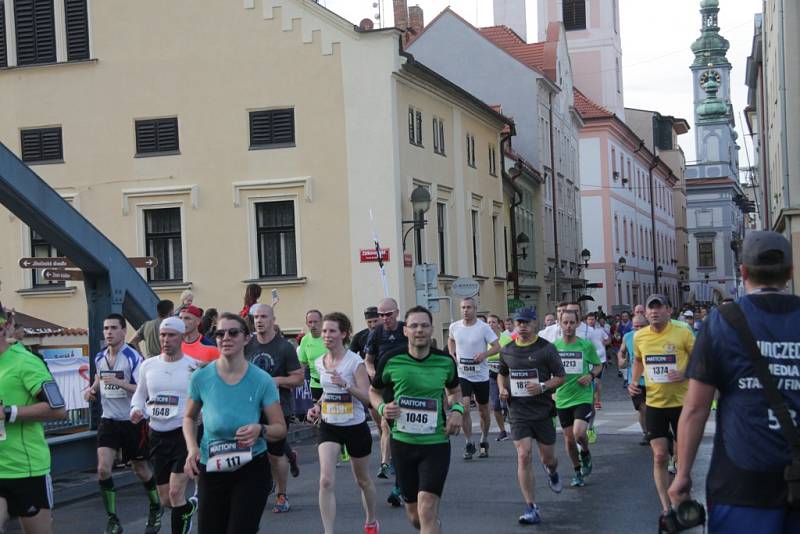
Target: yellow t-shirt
[661,353]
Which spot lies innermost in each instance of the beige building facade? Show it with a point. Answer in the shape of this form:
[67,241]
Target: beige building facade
[259,161]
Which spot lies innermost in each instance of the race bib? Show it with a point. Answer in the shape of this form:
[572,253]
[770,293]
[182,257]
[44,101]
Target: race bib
[164,406]
[469,367]
[337,408]
[494,366]
[3,430]
[520,378]
[224,455]
[658,367]
[111,391]
[572,361]
[417,415]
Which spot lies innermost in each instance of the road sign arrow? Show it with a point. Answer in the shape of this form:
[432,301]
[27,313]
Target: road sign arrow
[144,262]
[60,274]
[45,263]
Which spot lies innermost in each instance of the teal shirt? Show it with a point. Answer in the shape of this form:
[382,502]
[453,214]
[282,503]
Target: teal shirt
[226,407]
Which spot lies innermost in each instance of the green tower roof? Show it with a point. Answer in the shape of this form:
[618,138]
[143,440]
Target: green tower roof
[712,108]
[710,47]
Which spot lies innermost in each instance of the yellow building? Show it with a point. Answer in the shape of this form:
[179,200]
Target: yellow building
[246,142]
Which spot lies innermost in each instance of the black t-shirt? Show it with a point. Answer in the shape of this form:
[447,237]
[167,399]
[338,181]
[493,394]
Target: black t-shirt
[381,341]
[538,361]
[359,342]
[278,358]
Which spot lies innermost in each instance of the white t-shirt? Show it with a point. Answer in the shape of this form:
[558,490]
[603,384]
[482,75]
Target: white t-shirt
[597,336]
[340,407]
[162,391]
[472,340]
[551,333]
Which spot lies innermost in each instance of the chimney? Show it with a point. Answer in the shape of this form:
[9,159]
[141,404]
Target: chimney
[400,14]
[511,13]
[416,21]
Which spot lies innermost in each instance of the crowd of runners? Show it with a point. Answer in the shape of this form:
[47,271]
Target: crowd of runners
[212,402]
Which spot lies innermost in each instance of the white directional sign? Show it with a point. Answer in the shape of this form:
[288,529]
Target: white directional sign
[465,287]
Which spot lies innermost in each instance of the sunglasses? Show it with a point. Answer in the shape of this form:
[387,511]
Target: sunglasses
[386,314]
[232,332]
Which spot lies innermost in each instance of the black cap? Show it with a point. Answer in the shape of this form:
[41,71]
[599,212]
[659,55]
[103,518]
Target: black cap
[371,312]
[657,297]
[526,314]
[765,248]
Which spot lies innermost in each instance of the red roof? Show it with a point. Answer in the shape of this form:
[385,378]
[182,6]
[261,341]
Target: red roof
[504,37]
[589,109]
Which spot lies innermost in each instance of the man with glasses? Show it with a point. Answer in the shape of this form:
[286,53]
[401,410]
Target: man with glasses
[272,353]
[625,361]
[387,336]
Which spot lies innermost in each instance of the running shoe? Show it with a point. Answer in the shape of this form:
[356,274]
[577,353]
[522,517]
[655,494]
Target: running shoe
[113,526]
[530,516]
[188,517]
[484,453]
[577,480]
[672,467]
[281,504]
[383,472]
[294,467]
[553,480]
[371,528]
[502,436]
[592,435]
[193,498]
[395,499]
[469,450]
[586,463]
[153,524]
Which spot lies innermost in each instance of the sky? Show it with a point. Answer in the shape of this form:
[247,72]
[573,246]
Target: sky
[656,36]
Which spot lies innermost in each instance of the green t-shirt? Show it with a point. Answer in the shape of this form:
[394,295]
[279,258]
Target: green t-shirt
[24,453]
[419,390]
[311,348]
[578,359]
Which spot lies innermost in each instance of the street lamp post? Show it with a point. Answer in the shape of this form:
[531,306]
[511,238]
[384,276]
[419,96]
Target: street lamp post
[586,255]
[420,204]
[659,272]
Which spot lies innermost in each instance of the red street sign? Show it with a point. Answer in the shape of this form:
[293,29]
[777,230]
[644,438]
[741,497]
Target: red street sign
[595,285]
[368,255]
[144,262]
[58,274]
[408,259]
[45,263]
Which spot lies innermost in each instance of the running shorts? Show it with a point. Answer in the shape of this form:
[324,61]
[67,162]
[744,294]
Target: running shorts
[420,468]
[27,496]
[567,416]
[659,421]
[168,453]
[357,438]
[479,389]
[543,430]
[125,436]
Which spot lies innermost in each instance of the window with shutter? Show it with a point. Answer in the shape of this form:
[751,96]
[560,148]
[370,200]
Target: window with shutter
[275,229]
[3,47]
[36,33]
[162,237]
[272,128]
[76,21]
[157,136]
[574,12]
[41,145]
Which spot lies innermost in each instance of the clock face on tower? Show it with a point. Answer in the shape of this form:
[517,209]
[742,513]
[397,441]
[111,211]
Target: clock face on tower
[709,73]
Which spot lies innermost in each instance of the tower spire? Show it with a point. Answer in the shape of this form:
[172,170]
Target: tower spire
[710,47]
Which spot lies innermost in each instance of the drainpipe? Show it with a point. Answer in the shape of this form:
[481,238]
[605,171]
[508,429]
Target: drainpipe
[557,294]
[782,99]
[516,200]
[650,168]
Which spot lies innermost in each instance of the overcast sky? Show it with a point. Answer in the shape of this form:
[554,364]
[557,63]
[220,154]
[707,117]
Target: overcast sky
[656,36]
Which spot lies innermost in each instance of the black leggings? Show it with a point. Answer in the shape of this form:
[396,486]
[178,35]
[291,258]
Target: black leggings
[232,503]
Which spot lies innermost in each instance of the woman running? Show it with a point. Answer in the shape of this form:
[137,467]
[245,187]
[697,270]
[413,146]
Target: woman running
[231,463]
[345,386]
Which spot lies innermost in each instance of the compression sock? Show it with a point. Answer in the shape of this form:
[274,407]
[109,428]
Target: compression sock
[182,518]
[109,495]
[152,492]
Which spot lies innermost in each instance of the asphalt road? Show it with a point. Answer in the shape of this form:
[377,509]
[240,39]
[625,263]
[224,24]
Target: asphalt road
[480,495]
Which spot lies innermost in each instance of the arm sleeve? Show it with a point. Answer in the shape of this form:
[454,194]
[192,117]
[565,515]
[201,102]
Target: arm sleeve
[195,391]
[370,346]
[140,395]
[380,381]
[302,357]
[270,393]
[452,380]
[591,355]
[503,364]
[637,352]
[556,367]
[292,362]
[34,375]
[489,335]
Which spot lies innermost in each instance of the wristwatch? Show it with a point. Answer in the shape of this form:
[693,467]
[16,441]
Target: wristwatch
[7,413]
[544,387]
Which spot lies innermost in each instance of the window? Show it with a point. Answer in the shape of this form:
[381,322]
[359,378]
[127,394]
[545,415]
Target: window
[475,243]
[470,150]
[42,249]
[619,75]
[273,128]
[616,232]
[441,233]
[614,163]
[76,22]
[492,160]
[414,126]
[36,31]
[625,233]
[157,136]
[42,145]
[411,136]
[438,135]
[3,47]
[495,255]
[162,239]
[633,240]
[277,254]
[574,14]
[418,114]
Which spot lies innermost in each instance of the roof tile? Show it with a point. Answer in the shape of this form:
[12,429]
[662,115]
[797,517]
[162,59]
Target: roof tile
[588,108]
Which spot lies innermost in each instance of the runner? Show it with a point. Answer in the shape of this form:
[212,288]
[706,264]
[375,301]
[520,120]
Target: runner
[600,338]
[196,345]
[312,347]
[574,398]
[359,343]
[29,396]
[499,407]
[467,341]
[552,331]
[529,369]
[345,382]
[231,465]
[273,354]
[388,336]
[661,352]
[421,416]
[115,382]
[161,393]
[625,360]
[148,332]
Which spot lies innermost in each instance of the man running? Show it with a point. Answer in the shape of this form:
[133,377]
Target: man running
[499,407]
[26,490]
[529,370]
[552,331]
[625,360]
[599,337]
[272,353]
[161,393]
[196,345]
[359,342]
[467,341]
[661,352]
[311,347]
[115,382]
[422,417]
[148,332]
[574,398]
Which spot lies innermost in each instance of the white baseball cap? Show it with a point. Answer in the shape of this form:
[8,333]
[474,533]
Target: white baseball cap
[173,323]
